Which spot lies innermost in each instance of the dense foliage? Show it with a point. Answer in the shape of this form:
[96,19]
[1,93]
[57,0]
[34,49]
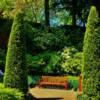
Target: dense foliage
[66,61]
[56,39]
[15,71]
[71,61]
[75,37]
[46,61]
[10,94]
[2,59]
[92,57]
[43,40]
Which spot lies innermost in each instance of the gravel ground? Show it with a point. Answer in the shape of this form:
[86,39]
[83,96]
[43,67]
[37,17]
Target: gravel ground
[52,94]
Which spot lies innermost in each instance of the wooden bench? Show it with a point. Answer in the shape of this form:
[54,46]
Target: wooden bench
[54,81]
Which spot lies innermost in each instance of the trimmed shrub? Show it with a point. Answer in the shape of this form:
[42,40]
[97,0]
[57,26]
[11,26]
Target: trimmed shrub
[15,70]
[10,94]
[91,52]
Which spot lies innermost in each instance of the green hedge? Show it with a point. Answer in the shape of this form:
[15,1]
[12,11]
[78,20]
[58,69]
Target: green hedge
[15,69]
[10,94]
[91,52]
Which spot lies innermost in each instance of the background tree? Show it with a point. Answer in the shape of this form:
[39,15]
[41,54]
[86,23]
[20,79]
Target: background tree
[74,10]
[15,71]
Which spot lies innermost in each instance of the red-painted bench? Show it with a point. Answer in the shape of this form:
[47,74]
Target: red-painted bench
[54,81]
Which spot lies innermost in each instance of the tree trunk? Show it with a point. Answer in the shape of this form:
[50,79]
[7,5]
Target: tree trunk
[47,21]
[74,11]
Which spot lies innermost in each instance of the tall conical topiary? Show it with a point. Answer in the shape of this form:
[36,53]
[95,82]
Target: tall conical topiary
[91,51]
[15,70]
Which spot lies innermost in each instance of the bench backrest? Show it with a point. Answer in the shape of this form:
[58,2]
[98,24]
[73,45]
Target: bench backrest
[54,79]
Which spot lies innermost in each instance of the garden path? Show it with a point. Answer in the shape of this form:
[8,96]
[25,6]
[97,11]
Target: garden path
[52,94]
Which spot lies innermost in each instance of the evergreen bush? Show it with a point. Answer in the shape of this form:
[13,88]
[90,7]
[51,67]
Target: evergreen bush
[15,70]
[91,52]
[10,94]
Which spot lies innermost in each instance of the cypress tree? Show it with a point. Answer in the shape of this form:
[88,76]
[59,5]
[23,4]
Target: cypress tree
[91,52]
[15,70]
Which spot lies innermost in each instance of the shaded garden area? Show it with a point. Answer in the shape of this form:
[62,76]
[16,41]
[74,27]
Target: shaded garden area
[49,44]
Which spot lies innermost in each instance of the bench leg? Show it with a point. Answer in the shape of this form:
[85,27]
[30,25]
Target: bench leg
[66,86]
